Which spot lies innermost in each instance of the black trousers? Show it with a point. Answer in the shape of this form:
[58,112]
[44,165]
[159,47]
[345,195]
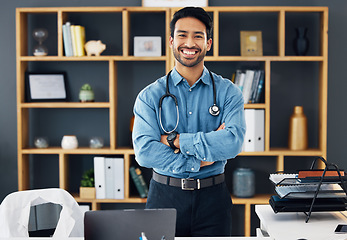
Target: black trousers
[203,212]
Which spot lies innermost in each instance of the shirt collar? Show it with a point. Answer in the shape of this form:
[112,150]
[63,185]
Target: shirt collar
[177,78]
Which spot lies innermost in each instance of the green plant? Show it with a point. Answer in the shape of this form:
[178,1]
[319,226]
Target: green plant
[88,178]
[86,86]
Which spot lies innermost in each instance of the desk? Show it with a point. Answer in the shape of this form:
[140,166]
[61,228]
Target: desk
[177,238]
[292,226]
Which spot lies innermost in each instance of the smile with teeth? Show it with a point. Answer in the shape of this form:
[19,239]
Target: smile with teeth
[189,52]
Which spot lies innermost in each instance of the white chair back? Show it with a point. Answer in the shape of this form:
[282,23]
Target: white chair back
[15,211]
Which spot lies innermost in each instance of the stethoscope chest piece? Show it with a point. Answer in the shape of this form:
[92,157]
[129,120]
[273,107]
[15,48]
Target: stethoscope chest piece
[214,110]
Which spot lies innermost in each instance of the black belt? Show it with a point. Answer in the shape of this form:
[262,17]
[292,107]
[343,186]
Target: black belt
[188,183]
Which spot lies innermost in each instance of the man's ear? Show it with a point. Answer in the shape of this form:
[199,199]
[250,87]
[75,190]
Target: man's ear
[170,41]
[209,44]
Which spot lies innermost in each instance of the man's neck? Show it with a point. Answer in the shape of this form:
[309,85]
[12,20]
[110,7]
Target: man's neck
[191,74]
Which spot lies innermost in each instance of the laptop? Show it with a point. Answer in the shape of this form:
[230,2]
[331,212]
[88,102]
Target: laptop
[155,224]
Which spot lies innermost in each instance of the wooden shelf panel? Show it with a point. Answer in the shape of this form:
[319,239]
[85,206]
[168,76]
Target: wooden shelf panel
[105,150]
[80,150]
[65,105]
[91,58]
[284,152]
[125,200]
[264,58]
[164,58]
[257,199]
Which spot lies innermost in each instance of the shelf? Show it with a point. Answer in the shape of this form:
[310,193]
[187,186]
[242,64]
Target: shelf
[80,150]
[164,58]
[257,199]
[117,82]
[92,58]
[87,150]
[264,58]
[284,152]
[65,105]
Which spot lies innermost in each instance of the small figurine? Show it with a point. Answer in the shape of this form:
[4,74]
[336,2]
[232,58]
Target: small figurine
[94,47]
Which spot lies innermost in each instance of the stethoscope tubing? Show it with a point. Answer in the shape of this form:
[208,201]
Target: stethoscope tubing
[168,94]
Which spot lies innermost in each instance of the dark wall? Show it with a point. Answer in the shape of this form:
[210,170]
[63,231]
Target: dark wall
[337,105]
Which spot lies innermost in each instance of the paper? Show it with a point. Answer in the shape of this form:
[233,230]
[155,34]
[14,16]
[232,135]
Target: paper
[308,191]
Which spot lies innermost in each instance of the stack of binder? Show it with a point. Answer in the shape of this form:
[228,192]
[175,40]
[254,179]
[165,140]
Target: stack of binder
[310,190]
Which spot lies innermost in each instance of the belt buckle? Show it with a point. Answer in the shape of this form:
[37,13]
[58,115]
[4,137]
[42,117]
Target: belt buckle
[185,184]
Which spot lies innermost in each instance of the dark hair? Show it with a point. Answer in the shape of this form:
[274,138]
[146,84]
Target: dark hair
[195,12]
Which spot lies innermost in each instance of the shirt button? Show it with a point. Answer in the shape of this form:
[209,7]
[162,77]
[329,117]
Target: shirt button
[187,152]
[173,170]
[190,113]
[192,169]
[190,89]
[204,158]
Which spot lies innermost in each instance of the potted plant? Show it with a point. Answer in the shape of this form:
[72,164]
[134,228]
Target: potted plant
[86,93]
[87,188]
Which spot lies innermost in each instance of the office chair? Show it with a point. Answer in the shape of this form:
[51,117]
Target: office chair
[15,211]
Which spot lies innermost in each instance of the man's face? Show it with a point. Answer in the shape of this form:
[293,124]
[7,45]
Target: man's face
[190,42]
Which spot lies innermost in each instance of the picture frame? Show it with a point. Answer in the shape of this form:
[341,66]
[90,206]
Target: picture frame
[251,43]
[147,46]
[45,87]
[174,3]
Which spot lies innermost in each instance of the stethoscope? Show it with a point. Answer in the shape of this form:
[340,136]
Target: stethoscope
[213,110]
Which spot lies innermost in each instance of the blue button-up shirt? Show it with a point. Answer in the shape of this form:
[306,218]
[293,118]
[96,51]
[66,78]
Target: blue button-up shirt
[199,140]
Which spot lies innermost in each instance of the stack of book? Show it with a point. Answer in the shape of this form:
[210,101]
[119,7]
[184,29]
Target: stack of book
[74,40]
[109,177]
[251,83]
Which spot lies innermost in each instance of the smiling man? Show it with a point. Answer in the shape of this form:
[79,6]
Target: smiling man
[187,125]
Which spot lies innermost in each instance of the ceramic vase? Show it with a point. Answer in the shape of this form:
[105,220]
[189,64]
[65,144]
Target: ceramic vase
[243,183]
[69,142]
[301,42]
[297,137]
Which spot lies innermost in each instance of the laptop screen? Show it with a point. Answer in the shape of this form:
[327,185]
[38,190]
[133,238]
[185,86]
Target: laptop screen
[155,224]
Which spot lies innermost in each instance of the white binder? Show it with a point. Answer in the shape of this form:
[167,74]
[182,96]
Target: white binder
[99,177]
[118,178]
[255,130]
[109,176]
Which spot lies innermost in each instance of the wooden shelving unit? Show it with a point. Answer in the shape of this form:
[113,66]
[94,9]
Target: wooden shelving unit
[23,60]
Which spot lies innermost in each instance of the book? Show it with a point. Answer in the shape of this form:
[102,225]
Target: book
[67,39]
[80,40]
[260,88]
[139,181]
[247,85]
[73,39]
[255,86]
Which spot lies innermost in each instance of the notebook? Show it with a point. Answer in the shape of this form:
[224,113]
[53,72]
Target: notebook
[155,224]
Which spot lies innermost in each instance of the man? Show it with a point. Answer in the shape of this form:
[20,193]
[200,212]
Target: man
[188,145]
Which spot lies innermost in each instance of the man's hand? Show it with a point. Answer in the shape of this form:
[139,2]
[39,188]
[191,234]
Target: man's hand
[164,140]
[203,163]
